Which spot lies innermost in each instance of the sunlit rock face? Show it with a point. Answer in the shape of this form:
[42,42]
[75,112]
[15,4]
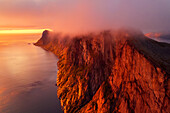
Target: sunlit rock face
[112,71]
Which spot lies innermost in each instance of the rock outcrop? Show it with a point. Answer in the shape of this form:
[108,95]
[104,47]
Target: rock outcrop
[120,71]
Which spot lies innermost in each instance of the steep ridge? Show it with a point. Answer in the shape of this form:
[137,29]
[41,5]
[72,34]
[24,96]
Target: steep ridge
[120,71]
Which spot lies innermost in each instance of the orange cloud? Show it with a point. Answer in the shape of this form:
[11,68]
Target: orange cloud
[82,15]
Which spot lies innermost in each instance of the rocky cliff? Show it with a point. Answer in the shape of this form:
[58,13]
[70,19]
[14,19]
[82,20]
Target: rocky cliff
[112,71]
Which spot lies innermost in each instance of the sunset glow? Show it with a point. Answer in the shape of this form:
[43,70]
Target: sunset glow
[81,15]
[23,31]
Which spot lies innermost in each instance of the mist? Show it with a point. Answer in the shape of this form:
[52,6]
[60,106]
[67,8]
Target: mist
[84,16]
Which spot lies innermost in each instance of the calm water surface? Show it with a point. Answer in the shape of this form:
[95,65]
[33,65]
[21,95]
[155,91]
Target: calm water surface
[27,76]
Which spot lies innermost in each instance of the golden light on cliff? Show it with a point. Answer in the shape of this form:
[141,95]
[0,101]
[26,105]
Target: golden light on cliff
[23,31]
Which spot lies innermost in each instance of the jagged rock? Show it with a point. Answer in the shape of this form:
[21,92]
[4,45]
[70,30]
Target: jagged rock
[112,71]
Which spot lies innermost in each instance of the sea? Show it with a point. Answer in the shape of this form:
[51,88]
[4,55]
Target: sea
[27,76]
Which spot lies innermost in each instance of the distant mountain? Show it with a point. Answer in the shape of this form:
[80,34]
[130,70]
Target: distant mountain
[111,71]
[164,37]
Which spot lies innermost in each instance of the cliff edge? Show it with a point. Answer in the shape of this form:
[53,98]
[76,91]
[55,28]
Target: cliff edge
[111,71]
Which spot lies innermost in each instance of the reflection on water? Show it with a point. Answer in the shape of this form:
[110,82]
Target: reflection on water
[27,77]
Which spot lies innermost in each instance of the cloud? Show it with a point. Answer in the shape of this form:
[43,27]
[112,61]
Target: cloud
[84,15]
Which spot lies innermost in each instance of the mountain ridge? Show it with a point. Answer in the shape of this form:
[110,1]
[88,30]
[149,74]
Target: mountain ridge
[100,72]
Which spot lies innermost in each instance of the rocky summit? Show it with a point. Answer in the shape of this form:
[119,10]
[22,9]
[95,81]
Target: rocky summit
[111,71]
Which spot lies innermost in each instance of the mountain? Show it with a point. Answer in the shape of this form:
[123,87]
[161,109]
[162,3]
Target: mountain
[111,71]
[164,37]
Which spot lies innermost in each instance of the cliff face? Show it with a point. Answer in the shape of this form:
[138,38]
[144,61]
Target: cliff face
[110,72]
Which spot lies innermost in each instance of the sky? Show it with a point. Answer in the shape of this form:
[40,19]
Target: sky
[85,15]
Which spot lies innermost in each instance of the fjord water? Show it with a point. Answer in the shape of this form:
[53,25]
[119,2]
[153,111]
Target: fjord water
[27,76]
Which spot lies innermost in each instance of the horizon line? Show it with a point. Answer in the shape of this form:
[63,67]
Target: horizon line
[23,31]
